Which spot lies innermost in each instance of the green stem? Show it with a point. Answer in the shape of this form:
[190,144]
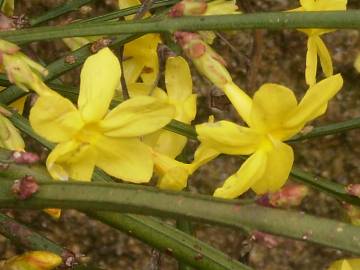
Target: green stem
[68,6]
[269,20]
[1,3]
[184,226]
[170,241]
[127,198]
[155,233]
[339,127]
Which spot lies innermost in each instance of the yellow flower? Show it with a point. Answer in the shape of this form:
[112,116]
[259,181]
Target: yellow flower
[34,260]
[273,116]
[349,264]
[90,135]
[315,46]
[140,55]
[179,94]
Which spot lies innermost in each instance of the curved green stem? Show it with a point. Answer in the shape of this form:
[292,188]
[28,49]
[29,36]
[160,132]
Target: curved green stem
[135,199]
[269,20]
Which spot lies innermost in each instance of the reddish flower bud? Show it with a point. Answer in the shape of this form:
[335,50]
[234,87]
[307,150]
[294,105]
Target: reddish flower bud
[291,195]
[188,8]
[353,189]
[25,187]
[20,157]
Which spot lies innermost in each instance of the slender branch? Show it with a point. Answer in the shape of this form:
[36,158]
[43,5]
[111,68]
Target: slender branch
[135,199]
[156,233]
[269,20]
[68,6]
[339,127]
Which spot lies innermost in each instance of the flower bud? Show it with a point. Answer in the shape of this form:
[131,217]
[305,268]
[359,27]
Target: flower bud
[22,71]
[35,260]
[291,195]
[21,157]
[8,47]
[25,187]
[9,136]
[188,8]
[207,61]
[353,189]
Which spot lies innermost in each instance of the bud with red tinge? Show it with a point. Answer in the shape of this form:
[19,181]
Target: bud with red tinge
[25,187]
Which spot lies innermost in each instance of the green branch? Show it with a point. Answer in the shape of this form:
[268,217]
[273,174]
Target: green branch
[269,20]
[127,198]
[157,234]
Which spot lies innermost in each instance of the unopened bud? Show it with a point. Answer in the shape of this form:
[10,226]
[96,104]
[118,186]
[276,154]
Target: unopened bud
[35,260]
[8,47]
[206,60]
[353,189]
[22,71]
[20,157]
[353,213]
[9,136]
[55,213]
[25,187]
[188,8]
[289,196]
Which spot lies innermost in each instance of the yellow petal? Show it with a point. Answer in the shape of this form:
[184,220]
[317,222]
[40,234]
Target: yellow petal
[178,78]
[99,77]
[307,4]
[127,159]
[175,179]
[239,99]
[324,56]
[136,117]
[151,69]
[187,112]
[139,89]
[357,63]
[166,142]
[132,69]
[311,61]
[272,104]
[172,174]
[347,264]
[228,138]
[203,155]
[249,173]
[314,100]
[278,166]
[55,213]
[19,104]
[55,118]
[72,159]
[220,7]
[128,3]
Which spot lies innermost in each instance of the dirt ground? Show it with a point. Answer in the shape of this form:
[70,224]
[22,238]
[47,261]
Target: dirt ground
[271,56]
